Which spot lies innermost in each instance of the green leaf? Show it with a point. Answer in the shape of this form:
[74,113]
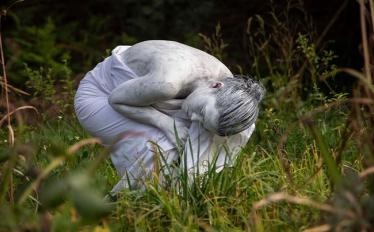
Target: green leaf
[332,168]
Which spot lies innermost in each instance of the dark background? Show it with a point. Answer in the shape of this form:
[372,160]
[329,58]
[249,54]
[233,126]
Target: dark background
[85,29]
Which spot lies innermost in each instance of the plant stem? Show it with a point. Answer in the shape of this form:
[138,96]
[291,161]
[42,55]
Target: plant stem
[5,86]
[365,42]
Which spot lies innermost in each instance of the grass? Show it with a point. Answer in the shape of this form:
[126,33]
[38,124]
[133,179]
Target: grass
[224,202]
[308,164]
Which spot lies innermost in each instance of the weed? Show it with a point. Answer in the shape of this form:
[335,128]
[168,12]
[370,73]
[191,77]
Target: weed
[214,44]
[308,165]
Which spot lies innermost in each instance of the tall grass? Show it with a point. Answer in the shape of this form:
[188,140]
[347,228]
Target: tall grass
[309,168]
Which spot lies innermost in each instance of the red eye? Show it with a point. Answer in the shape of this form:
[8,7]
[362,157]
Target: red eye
[217,85]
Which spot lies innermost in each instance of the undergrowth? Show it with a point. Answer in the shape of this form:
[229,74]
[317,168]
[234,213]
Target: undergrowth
[308,164]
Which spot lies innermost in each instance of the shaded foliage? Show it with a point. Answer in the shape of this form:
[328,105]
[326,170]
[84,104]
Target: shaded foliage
[85,29]
[313,136]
